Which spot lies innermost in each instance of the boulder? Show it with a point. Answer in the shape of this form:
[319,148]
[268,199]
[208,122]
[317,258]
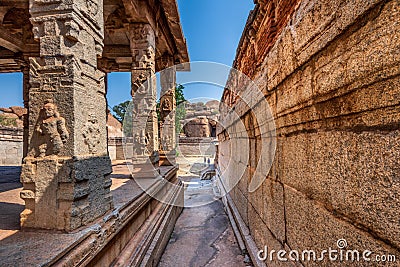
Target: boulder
[19,111]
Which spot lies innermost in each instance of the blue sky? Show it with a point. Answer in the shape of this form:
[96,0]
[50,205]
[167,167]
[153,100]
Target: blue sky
[212,29]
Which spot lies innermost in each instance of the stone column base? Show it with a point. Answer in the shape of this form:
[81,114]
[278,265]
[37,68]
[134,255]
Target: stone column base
[63,193]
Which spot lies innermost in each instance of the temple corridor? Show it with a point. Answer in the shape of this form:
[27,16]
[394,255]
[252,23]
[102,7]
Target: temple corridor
[293,162]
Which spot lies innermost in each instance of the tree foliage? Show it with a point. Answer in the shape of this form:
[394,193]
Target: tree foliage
[180,107]
[120,110]
[4,121]
[180,98]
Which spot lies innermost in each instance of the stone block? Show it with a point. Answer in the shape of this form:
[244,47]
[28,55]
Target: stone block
[352,173]
[256,199]
[311,226]
[295,91]
[241,203]
[274,208]
[264,238]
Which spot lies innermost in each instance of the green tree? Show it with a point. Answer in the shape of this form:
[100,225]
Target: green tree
[180,107]
[180,98]
[120,110]
[128,122]
[124,115]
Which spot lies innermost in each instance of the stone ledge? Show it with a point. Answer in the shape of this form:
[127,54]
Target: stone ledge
[36,248]
[242,232]
[11,134]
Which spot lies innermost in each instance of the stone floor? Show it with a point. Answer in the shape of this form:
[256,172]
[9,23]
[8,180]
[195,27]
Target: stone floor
[11,205]
[202,235]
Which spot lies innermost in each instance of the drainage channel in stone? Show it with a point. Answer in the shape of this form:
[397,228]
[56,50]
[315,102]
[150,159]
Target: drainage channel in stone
[202,235]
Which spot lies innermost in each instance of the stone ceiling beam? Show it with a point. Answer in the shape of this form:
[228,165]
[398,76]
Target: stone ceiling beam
[15,3]
[7,40]
[114,51]
[139,11]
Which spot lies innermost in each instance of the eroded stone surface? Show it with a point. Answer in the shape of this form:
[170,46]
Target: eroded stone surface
[330,76]
[202,236]
[66,171]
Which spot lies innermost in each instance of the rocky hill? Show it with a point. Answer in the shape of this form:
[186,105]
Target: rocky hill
[201,119]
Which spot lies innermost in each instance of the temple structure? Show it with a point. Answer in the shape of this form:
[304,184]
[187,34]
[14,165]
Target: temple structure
[315,99]
[65,48]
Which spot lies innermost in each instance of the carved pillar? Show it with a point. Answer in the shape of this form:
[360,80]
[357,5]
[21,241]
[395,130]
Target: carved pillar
[25,93]
[167,112]
[66,172]
[144,95]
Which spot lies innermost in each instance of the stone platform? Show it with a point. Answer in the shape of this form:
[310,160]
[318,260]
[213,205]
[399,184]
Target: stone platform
[137,223]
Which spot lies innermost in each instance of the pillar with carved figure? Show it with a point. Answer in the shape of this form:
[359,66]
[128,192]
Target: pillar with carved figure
[145,156]
[167,113]
[66,172]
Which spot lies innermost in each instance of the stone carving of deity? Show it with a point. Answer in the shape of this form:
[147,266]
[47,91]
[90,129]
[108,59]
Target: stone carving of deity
[91,133]
[167,143]
[141,142]
[52,131]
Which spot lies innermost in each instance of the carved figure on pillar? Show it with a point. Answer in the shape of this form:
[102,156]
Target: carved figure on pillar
[167,143]
[137,85]
[51,129]
[70,36]
[166,107]
[91,134]
[167,112]
[144,121]
[140,144]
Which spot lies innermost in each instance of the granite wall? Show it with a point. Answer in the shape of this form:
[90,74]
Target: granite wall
[329,71]
[11,144]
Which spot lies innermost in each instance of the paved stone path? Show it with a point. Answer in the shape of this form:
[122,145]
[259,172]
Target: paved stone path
[11,205]
[202,234]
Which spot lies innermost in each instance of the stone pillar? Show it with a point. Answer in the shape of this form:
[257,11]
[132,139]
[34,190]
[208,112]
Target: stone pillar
[167,113]
[25,93]
[66,171]
[144,95]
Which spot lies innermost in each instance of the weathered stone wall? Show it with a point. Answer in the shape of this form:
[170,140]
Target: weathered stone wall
[197,127]
[11,143]
[331,78]
[195,146]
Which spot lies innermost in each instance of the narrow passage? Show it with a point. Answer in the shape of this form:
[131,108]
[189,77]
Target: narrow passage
[202,235]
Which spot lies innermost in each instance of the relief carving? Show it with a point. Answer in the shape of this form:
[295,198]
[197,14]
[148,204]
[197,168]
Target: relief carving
[150,55]
[44,2]
[140,144]
[93,7]
[144,58]
[91,134]
[167,143]
[166,105]
[142,40]
[137,85]
[52,131]
[166,61]
[72,30]
[141,32]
